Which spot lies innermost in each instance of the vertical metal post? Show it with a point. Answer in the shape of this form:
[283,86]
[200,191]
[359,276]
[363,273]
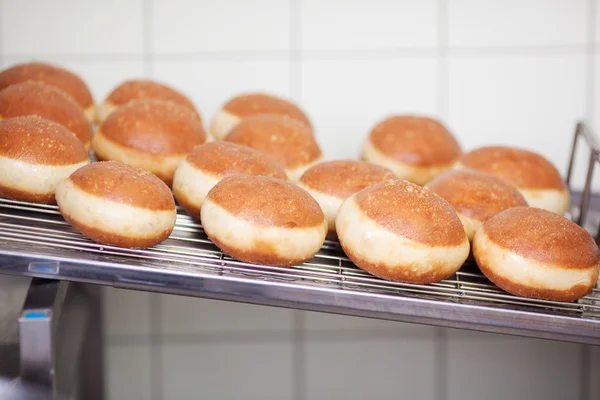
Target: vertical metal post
[91,378]
[578,130]
[41,310]
[587,189]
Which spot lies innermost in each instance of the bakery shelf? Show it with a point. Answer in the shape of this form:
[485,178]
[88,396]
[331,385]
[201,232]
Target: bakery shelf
[36,241]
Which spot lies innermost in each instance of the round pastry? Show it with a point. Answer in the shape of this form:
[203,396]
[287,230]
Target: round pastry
[535,253]
[117,204]
[285,140]
[415,148]
[476,196]
[151,134]
[263,220]
[36,98]
[36,154]
[538,180]
[55,76]
[399,231]
[251,104]
[142,90]
[208,163]
[332,182]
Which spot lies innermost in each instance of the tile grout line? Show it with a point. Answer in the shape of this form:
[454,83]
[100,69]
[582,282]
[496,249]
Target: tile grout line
[295,50]
[147,33]
[441,364]
[443,89]
[585,372]
[591,62]
[442,60]
[298,356]
[156,361]
[325,55]
[298,367]
[266,336]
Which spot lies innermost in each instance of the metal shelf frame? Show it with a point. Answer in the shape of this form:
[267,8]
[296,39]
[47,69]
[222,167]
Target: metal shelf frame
[35,241]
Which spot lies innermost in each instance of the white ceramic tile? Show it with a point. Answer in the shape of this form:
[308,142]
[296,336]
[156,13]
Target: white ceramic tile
[517,22]
[126,312]
[594,118]
[345,99]
[597,21]
[316,323]
[127,372]
[531,102]
[235,371]
[476,335]
[375,24]
[514,368]
[211,83]
[186,315]
[381,369]
[222,25]
[101,75]
[38,27]
[594,373]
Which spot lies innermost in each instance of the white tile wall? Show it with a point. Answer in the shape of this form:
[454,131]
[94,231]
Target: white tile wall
[128,373]
[517,22]
[372,90]
[40,27]
[227,371]
[212,82]
[595,373]
[512,368]
[181,315]
[512,72]
[322,325]
[375,24]
[227,25]
[526,101]
[382,369]
[126,313]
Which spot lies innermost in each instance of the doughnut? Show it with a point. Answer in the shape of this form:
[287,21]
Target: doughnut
[142,90]
[263,220]
[476,196]
[535,253]
[55,76]
[36,98]
[332,182]
[285,140]
[399,231]
[36,154]
[415,148]
[117,204]
[151,134]
[208,163]
[538,180]
[247,105]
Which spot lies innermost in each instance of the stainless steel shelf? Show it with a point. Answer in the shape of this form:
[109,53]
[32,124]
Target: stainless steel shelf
[36,241]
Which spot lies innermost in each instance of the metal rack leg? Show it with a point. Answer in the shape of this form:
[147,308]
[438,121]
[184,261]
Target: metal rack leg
[91,378]
[52,327]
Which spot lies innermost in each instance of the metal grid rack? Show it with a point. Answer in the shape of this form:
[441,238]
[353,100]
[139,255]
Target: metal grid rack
[36,241]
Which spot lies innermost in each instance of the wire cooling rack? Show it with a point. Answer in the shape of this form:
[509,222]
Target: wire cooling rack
[45,244]
[36,241]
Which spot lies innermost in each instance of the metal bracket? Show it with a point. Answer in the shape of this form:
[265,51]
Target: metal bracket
[51,331]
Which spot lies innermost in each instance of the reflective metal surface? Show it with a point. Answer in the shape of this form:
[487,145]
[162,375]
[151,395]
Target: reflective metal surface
[52,329]
[36,241]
